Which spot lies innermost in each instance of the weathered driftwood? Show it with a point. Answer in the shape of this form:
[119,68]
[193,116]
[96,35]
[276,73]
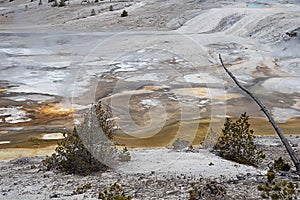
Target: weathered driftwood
[270,118]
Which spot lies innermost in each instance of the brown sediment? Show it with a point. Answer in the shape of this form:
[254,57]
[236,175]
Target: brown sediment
[162,138]
[48,113]
[203,92]
[30,143]
[196,92]
[152,88]
[263,127]
[165,136]
[11,153]
[46,118]
[169,132]
[55,110]
[32,140]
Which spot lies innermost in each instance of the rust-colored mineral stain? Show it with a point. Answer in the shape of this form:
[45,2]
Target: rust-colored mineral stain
[50,112]
[228,96]
[2,90]
[203,92]
[152,88]
[56,110]
[42,115]
[197,92]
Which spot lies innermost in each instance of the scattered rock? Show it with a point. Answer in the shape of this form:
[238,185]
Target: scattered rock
[53,196]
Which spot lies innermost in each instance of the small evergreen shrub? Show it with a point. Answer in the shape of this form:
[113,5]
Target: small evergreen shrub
[106,121]
[124,155]
[276,188]
[115,192]
[62,3]
[55,3]
[97,131]
[271,176]
[111,8]
[124,13]
[72,157]
[93,12]
[281,165]
[89,147]
[237,142]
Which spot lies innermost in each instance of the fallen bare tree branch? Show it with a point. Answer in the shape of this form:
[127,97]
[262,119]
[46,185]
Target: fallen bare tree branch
[285,142]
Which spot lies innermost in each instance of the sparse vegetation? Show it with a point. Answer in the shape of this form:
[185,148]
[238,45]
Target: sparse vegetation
[106,121]
[124,13]
[237,142]
[124,155]
[285,142]
[277,188]
[62,3]
[281,165]
[93,12]
[93,150]
[72,157]
[115,192]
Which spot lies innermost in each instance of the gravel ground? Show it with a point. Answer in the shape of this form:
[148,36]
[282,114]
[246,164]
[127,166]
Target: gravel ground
[25,178]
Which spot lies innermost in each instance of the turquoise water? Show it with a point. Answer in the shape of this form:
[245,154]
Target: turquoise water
[256,5]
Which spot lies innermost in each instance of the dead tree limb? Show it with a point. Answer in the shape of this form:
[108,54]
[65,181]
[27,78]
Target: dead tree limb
[270,118]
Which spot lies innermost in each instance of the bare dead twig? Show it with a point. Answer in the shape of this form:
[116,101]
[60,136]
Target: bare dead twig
[270,118]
